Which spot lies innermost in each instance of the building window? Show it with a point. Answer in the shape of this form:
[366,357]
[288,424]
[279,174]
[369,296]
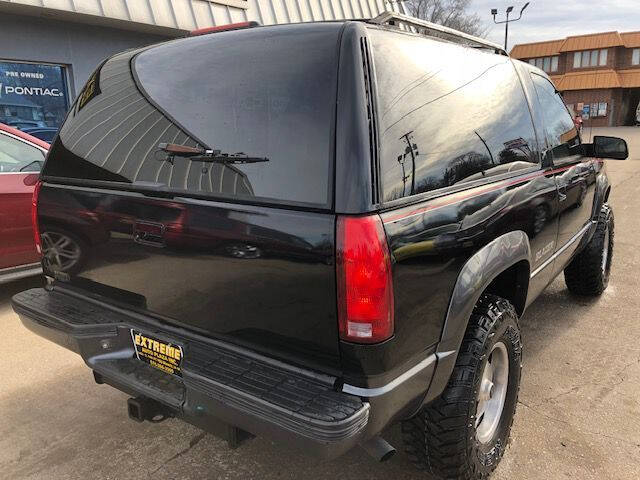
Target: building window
[32,96]
[590,58]
[603,57]
[548,64]
[635,57]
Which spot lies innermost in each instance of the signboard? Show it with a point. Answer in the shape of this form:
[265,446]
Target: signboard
[32,95]
[586,109]
[602,109]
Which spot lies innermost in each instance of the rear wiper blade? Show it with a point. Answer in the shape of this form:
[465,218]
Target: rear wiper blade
[202,155]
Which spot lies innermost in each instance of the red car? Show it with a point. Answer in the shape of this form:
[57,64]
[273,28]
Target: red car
[21,158]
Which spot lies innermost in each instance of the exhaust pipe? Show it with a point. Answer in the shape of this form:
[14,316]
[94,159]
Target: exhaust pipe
[143,408]
[379,449]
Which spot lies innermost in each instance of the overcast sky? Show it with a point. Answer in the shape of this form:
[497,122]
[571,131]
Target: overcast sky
[553,19]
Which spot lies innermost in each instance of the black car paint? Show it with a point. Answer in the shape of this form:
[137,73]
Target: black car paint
[278,302]
[497,233]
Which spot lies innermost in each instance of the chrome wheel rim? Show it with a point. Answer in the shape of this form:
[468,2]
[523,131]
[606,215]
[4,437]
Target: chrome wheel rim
[60,250]
[492,392]
[605,251]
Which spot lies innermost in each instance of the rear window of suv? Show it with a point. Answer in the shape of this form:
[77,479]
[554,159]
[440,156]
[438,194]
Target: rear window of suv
[264,96]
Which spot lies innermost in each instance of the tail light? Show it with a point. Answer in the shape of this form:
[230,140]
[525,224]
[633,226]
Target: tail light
[34,216]
[365,288]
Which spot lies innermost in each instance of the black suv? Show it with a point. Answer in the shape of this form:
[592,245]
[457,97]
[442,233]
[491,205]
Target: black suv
[314,231]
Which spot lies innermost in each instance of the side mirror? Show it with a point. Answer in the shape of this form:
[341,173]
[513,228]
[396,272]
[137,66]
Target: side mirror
[610,147]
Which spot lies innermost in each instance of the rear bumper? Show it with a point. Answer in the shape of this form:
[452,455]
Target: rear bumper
[220,382]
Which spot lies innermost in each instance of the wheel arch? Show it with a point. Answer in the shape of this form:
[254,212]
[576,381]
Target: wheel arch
[502,268]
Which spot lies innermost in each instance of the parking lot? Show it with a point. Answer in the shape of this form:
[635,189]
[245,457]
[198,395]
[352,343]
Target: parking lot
[578,415]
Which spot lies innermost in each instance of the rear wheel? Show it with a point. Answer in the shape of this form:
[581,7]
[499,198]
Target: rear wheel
[464,433]
[588,272]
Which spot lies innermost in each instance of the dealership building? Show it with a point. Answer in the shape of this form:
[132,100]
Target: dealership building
[598,74]
[49,48]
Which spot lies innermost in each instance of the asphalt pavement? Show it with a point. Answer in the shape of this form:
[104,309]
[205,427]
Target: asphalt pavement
[578,414]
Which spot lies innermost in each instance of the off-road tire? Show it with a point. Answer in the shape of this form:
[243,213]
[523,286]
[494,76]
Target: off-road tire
[441,438]
[585,274]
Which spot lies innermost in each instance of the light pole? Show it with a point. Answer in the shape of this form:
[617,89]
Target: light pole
[494,12]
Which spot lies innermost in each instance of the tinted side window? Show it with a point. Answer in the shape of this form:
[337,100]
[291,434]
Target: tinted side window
[447,114]
[561,134]
[17,156]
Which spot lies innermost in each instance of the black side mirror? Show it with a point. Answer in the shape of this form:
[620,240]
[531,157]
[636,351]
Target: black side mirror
[610,147]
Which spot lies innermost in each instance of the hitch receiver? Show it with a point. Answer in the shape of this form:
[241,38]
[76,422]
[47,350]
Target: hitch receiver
[143,408]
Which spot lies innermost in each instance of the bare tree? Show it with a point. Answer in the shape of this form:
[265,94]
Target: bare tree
[450,13]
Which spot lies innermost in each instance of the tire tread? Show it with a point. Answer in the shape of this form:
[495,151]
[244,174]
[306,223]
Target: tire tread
[584,276]
[436,438]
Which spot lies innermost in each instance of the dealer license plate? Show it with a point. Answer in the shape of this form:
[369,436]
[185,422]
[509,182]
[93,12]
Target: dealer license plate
[158,353]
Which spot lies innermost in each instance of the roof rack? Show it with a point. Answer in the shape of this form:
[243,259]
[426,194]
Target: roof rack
[422,26]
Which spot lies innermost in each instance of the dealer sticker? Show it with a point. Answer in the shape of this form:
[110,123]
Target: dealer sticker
[157,353]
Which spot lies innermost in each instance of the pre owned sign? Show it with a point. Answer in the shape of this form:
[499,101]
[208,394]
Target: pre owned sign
[50,92]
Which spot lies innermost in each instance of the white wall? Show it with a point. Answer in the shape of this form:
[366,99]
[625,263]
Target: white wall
[187,15]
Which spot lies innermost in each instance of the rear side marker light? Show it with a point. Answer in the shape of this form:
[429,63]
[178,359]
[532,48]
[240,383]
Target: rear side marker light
[365,288]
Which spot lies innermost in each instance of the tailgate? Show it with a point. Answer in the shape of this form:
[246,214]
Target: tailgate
[258,276]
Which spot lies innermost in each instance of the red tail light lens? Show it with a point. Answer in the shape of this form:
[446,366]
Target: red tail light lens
[365,288]
[34,216]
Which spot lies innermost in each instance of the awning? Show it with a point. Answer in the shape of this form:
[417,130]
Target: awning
[592,41]
[598,79]
[631,39]
[587,80]
[629,78]
[538,49]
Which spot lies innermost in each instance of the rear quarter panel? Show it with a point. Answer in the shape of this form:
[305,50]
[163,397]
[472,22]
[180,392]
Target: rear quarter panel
[430,244]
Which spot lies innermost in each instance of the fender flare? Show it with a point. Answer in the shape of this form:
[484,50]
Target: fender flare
[474,277]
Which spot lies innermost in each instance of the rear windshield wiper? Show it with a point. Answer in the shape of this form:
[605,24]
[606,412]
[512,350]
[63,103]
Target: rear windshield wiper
[202,155]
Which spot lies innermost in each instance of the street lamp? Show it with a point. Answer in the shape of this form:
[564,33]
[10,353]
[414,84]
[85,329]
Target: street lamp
[494,12]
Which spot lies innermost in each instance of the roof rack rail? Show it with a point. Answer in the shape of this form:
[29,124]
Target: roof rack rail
[394,18]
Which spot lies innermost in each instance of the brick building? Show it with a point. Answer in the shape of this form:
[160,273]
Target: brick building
[598,73]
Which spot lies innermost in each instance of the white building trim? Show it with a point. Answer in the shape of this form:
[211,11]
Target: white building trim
[176,17]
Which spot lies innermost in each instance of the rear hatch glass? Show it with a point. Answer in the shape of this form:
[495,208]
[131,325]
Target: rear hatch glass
[262,99]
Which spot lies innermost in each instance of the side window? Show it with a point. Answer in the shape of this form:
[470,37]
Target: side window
[447,115]
[18,156]
[561,133]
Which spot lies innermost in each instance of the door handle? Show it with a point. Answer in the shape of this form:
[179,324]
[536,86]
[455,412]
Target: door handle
[561,196]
